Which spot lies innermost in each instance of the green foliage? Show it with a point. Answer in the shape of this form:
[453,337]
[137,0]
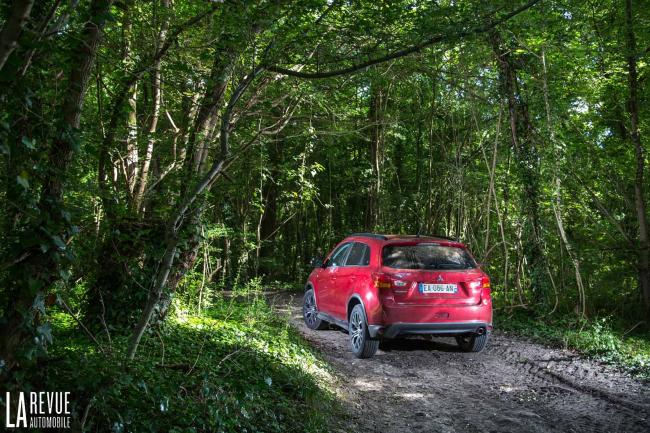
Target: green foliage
[239,367]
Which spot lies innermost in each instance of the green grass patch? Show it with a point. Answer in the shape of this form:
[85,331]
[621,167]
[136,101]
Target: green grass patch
[236,368]
[600,338]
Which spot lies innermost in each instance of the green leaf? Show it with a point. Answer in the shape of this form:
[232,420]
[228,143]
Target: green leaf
[39,304]
[29,143]
[22,180]
[65,274]
[45,332]
[58,242]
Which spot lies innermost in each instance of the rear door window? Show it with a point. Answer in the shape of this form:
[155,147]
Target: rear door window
[359,255]
[426,256]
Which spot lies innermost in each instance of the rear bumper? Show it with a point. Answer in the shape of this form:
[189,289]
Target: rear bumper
[441,328]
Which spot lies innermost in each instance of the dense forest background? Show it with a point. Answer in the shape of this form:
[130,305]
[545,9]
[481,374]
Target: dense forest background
[156,153]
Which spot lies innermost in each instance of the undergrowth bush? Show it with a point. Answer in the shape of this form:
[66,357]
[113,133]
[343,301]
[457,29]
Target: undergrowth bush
[237,368]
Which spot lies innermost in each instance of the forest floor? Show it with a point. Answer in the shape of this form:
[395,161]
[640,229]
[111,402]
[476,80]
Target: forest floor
[514,385]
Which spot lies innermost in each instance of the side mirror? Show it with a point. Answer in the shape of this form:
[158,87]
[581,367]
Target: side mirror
[316,262]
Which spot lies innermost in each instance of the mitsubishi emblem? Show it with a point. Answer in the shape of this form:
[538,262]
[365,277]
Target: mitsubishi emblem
[439,279]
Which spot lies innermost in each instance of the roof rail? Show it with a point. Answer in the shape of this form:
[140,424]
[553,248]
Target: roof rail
[370,235]
[385,237]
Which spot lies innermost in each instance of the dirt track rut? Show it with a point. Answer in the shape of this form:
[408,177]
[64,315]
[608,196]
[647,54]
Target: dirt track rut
[420,385]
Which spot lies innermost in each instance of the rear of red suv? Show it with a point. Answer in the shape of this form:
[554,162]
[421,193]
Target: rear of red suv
[386,286]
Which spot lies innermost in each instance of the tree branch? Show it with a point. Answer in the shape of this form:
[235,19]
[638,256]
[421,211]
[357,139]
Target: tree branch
[403,52]
[13,27]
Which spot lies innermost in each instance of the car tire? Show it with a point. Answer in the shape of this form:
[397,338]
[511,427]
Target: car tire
[472,343]
[361,345]
[310,312]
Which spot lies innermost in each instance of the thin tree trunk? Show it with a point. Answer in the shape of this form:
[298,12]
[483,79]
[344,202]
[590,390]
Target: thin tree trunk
[270,192]
[212,101]
[131,160]
[138,198]
[643,265]
[374,117]
[557,207]
[13,28]
[492,171]
[190,108]
[430,224]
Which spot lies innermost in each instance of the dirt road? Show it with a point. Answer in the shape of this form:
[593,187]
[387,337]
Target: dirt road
[419,385]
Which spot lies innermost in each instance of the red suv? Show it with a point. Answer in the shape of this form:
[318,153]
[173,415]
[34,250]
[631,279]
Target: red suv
[384,286]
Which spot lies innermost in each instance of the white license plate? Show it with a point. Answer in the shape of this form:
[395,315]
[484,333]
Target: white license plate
[438,288]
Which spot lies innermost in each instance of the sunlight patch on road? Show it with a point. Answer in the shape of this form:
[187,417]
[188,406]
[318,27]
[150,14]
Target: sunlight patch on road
[366,385]
[412,395]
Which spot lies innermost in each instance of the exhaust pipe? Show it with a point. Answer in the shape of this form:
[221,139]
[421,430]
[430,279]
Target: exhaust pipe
[480,331]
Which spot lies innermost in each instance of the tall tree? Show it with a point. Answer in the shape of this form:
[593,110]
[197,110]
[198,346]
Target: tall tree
[643,264]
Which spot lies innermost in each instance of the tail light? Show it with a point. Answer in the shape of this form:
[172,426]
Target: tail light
[486,290]
[389,285]
[382,281]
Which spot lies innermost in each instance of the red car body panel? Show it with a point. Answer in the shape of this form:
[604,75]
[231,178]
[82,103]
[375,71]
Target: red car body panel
[391,309]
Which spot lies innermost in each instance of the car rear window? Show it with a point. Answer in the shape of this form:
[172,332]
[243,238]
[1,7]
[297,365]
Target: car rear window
[426,256]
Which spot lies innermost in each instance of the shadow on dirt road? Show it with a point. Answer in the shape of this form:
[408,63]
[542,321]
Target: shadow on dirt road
[418,385]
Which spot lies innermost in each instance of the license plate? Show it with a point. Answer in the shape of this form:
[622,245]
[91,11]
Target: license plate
[438,288]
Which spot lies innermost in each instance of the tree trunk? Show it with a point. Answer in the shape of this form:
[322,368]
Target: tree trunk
[212,101]
[643,264]
[374,118]
[131,160]
[60,153]
[40,270]
[138,198]
[269,221]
